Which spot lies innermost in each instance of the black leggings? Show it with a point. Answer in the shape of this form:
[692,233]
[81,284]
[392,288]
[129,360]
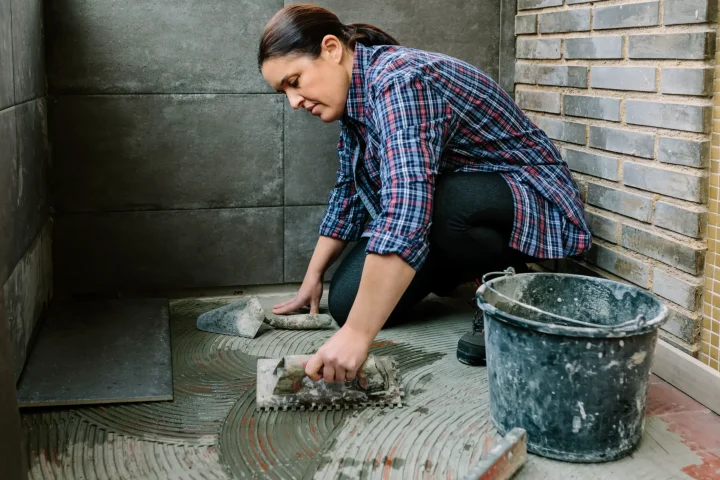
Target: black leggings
[473,217]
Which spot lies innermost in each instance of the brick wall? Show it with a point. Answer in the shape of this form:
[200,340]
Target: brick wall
[625,89]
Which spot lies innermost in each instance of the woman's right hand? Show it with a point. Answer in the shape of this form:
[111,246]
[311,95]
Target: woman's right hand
[310,294]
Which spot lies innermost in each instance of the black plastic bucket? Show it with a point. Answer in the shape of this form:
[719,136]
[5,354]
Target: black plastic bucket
[568,360]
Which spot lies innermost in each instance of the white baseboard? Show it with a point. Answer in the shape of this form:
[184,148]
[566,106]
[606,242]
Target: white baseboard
[688,374]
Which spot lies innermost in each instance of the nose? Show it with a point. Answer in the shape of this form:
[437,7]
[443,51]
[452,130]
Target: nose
[295,100]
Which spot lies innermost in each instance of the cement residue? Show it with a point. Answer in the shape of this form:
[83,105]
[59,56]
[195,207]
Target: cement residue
[212,429]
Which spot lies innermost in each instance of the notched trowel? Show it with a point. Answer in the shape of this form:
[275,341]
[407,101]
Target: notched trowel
[283,385]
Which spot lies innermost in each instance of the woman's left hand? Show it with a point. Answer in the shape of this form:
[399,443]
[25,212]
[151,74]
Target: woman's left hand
[340,358]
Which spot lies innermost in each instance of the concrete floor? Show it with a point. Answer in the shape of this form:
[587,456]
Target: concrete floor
[211,430]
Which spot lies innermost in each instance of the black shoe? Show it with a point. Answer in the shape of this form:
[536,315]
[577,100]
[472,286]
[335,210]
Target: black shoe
[471,347]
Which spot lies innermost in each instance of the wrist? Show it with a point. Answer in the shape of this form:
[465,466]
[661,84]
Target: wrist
[314,275]
[360,332]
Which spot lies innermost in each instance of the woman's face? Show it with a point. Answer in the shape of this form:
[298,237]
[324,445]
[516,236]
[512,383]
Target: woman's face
[319,85]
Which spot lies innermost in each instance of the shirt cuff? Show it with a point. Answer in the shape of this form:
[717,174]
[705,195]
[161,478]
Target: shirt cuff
[339,229]
[413,252]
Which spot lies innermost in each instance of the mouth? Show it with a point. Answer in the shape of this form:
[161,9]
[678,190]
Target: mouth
[313,109]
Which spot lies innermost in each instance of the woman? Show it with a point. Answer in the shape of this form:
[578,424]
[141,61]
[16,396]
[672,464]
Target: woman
[442,178]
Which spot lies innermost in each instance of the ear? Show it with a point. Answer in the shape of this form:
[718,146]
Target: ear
[332,49]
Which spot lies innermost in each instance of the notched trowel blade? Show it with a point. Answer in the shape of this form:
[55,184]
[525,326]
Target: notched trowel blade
[283,385]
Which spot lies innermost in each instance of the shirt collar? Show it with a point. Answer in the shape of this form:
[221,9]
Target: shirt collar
[355,106]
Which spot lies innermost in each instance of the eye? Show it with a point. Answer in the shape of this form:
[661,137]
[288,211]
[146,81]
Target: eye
[294,82]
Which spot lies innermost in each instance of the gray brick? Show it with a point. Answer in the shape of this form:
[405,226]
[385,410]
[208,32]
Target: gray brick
[525,24]
[683,326]
[602,227]
[619,264]
[673,184]
[681,46]
[622,141]
[625,203]
[310,159]
[590,164]
[677,12]
[526,73]
[681,220]
[28,50]
[562,130]
[687,81]
[573,2]
[624,16]
[592,107]
[167,249]
[593,48]
[641,79]
[582,186]
[684,152]
[528,4]
[7,90]
[166,152]
[538,100]
[676,116]
[534,48]
[565,21]
[560,76]
[671,252]
[676,290]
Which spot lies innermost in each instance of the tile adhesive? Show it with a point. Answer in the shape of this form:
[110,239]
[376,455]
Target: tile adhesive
[212,429]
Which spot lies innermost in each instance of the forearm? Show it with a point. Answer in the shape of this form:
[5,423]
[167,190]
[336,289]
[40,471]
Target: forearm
[384,280]
[326,252]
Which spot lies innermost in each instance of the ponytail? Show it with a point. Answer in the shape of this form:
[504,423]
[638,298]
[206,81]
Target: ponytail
[369,35]
[300,29]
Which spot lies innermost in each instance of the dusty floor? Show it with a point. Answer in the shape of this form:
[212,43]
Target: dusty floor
[211,430]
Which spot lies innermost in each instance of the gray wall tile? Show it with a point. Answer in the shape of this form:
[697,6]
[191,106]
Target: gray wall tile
[622,141]
[168,250]
[32,205]
[525,24]
[682,46]
[166,152]
[677,12]
[156,46]
[301,236]
[8,189]
[28,49]
[679,151]
[311,158]
[506,65]
[7,94]
[537,48]
[623,16]
[478,20]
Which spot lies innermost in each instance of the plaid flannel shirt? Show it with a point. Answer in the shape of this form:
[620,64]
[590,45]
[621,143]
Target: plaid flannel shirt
[413,115]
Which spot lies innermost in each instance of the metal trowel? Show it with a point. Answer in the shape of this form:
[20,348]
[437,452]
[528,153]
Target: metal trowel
[283,385]
[245,317]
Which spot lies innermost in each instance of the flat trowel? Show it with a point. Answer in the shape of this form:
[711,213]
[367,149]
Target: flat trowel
[245,317]
[283,385]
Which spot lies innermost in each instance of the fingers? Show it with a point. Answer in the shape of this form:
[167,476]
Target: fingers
[287,307]
[350,375]
[313,367]
[328,373]
[339,374]
[315,305]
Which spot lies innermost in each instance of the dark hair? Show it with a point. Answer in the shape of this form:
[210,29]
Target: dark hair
[299,30]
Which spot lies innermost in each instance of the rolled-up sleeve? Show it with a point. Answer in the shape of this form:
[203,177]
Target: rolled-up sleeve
[414,121]
[346,214]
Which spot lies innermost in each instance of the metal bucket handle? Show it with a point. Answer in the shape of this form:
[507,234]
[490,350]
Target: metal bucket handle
[638,322]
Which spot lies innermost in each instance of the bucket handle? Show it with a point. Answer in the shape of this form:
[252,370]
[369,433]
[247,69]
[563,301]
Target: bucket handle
[638,322]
